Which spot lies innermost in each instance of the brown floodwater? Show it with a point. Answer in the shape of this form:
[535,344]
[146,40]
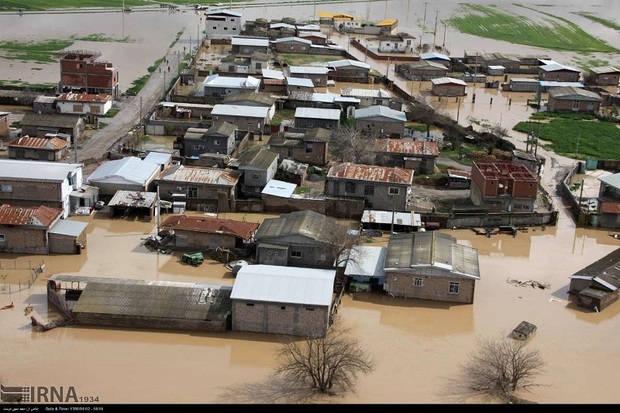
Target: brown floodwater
[418,346]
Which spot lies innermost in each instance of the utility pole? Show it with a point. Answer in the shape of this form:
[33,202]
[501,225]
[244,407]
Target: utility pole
[443,45]
[435,31]
[140,120]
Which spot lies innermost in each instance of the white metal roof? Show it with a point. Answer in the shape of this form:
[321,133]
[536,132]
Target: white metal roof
[240,110]
[385,217]
[129,169]
[249,41]
[314,70]
[347,62]
[69,228]
[446,80]
[379,110]
[317,113]
[159,158]
[366,260]
[216,80]
[299,81]
[273,74]
[279,188]
[36,170]
[274,283]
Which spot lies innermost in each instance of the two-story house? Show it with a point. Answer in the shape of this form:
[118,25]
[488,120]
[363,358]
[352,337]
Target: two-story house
[218,139]
[381,121]
[430,266]
[310,146]
[407,153]
[259,166]
[36,183]
[199,188]
[382,188]
[222,24]
[298,239]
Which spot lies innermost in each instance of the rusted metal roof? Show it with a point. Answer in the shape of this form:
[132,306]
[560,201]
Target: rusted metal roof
[39,143]
[239,229]
[407,146]
[41,216]
[134,199]
[610,208]
[458,173]
[84,97]
[371,173]
[199,174]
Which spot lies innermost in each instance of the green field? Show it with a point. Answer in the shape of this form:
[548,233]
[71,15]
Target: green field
[550,33]
[577,137]
[605,22]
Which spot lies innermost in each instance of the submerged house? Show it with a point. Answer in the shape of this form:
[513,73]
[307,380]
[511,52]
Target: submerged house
[596,286]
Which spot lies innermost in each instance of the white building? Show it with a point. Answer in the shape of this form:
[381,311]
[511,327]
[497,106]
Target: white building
[222,24]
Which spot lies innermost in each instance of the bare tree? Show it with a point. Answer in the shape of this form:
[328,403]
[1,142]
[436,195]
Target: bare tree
[337,242]
[349,144]
[498,368]
[329,364]
[424,112]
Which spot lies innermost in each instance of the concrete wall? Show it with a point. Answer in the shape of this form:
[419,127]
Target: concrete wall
[435,287]
[64,244]
[280,318]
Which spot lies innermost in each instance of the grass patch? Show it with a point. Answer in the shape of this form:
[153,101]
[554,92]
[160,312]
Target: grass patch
[283,114]
[40,52]
[607,23]
[575,137]
[554,34]
[112,112]
[302,190]
[303,59]
[101,37]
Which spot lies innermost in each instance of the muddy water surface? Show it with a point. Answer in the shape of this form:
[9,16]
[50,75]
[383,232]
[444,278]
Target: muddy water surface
[418,345]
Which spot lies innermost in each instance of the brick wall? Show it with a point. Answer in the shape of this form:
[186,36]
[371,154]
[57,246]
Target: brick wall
[433,287]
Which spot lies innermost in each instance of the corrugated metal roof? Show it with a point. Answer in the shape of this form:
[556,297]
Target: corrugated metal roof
[40,216]
[257,158]
[306,223]
[50,120]
[554,67]
[273,74]
[84,97]
[252,96]
[612,180]
[134,199]
[240,110]
[69,228]
[432,249]
[38,143]
[606,268]
[314,70]
[365,93]
[249,41]
[230,82]
[159,158]
[279,284]
[279,188]
[447,80]
[155,300]
[366,260]
[407,146]
[604,70]
[292,39]
[381,111]
[19,170]
[433,55]
[131,169]
[346,62]
[318,113]
[299,82]
[241,229]
[198,174]
[371,173]
[574,94]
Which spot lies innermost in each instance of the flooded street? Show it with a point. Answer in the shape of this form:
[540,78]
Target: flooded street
[418,346]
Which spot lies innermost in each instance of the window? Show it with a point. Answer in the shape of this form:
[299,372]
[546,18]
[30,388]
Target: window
[575,105]
[2,238]
[259,65]
[192,192]
[418,282]
[308,147]
[283,308]
[296,254]
[454,288]
[393,191]
[198,147]
[309,309]
[369,190]
[216,142]
[255,176]
[349,187]
[7,188]
[249,304]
